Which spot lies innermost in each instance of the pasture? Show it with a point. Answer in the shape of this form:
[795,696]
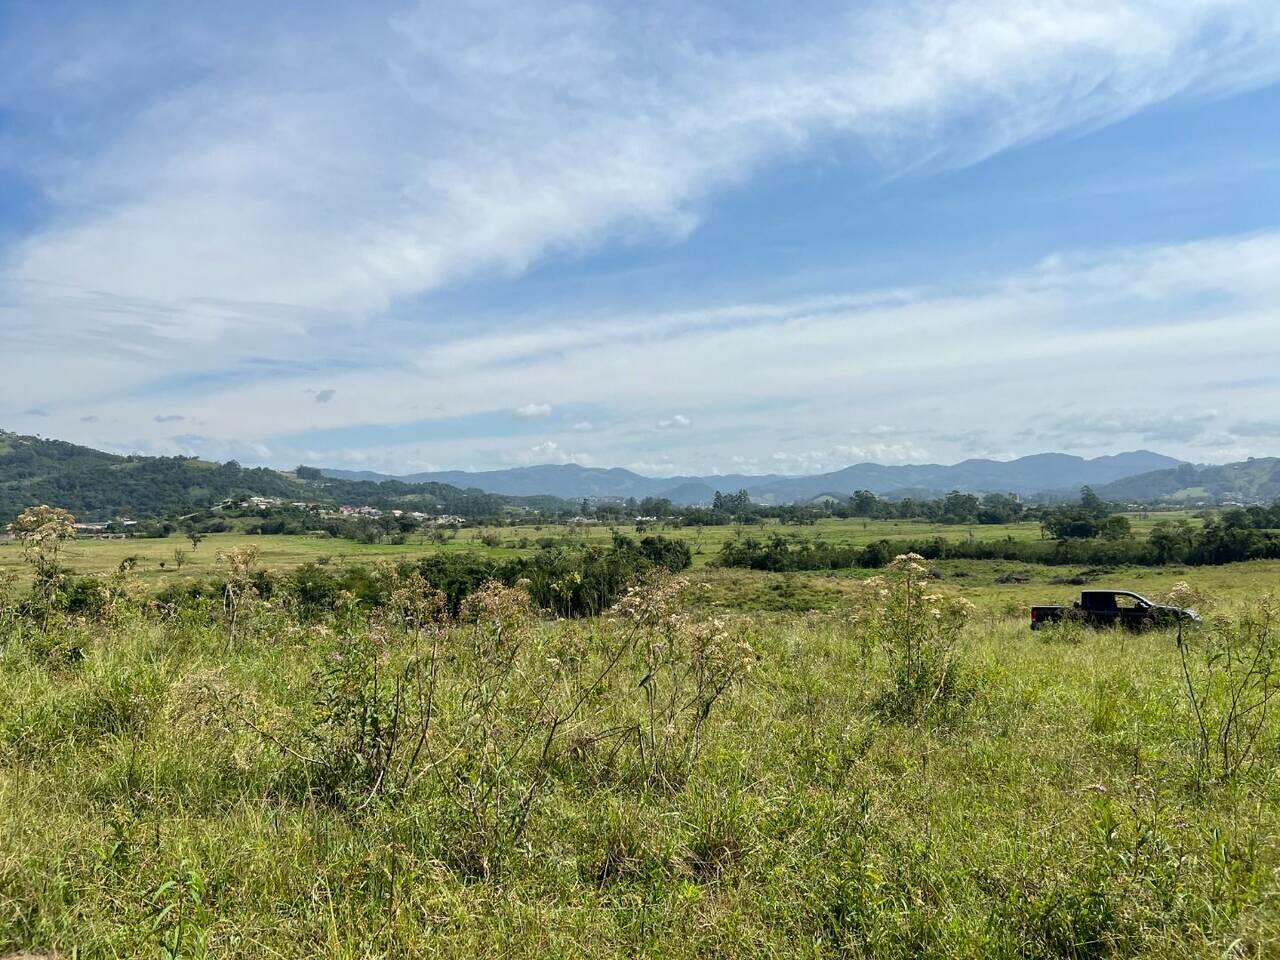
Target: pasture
[171,789]
[285,552]
[724,771]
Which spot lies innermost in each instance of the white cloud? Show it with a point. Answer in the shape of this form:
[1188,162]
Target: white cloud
[276,173]
[583,426]
[656,468]
[1163,324]
[907,452]
[1147,425]
[842,455]
[675,422]
[546,452]
[240,208]
[528,410]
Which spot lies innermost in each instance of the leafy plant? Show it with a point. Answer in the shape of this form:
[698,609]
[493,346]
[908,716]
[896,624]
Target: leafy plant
[238,591]
[1231,678]
[918,630]
[690,665]
[42,531]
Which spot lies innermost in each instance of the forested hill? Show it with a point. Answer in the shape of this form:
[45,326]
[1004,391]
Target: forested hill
[1250,481]
[100,486]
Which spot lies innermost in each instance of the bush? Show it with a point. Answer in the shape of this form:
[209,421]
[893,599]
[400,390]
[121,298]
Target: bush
[316,589]
[674,555]
[918,632]
[1231,677]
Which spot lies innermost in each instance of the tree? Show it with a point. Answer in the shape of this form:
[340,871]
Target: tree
[960,508]
[1116,528]
[1000,508]
[1071,523]
[732,503]
[1237,519]
[1171,541]
[195,538]
[1091,503]
[864,503]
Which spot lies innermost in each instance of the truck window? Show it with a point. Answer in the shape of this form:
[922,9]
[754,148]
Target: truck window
[1128,603]
[1099,601]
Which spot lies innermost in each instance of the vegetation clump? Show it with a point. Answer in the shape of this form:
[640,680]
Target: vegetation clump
[433,758]
[919,630]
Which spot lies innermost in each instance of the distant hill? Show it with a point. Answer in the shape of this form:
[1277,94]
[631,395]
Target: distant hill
[1254,480]
[95,485]
[1027,476]
[573,482]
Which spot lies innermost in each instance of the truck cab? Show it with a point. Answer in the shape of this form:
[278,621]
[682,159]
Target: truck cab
[1121,607]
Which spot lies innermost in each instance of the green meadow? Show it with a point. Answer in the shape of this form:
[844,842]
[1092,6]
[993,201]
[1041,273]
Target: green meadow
[735,764]
[284,552]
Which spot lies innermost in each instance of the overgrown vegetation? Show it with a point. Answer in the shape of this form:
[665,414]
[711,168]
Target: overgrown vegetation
[456,757]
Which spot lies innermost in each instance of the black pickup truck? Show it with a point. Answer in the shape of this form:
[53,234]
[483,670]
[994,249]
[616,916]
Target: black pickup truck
[1114,608]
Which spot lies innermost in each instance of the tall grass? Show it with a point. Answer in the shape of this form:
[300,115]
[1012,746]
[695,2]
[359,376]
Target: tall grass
[652,782]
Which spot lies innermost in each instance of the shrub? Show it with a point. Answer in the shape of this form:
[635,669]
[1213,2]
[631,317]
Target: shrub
[918,631]
[674,555]
[315,589]
[1231,676]
[690,665]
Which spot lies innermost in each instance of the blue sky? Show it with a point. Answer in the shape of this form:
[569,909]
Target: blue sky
[675,237]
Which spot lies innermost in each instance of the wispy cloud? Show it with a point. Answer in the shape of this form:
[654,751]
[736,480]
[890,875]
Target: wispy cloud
[1268,429]
[263,170]
[1149,426]
[250,203]
[1056,384]
[548,451]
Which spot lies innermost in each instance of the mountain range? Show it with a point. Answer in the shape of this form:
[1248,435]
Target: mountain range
[1038,474]
[98,485]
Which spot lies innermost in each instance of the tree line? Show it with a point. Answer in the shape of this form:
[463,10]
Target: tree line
[1171,542]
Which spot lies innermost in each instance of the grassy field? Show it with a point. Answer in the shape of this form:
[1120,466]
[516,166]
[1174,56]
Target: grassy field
[722,774]
[284,552]
[979,581]
[723,588]
[172,791]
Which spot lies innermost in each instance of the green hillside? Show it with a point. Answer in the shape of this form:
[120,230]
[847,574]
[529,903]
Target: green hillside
[1251,481]
[99,486]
